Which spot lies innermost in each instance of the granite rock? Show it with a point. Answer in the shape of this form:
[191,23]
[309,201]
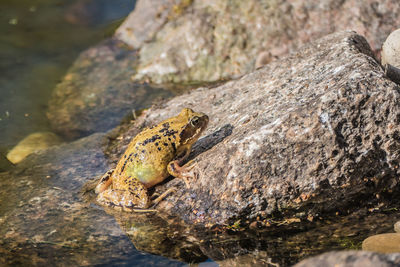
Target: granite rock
[145,21]
[213,40]
[314,133]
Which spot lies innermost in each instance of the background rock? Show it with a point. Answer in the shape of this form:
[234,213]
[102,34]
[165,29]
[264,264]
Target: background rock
[97,92]
[213,40]
[194,41]
[391,49]
[352,258]
[145,21]
[314,133]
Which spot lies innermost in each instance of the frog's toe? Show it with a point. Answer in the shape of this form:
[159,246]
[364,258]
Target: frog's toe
[163,195]
[183,172]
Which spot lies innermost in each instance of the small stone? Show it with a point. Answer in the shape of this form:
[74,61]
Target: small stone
[32,143]
[391,49]
[351,258]
[397,227]
[263,59]
[382,243]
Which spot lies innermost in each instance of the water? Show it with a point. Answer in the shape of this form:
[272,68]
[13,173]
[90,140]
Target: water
[38,42]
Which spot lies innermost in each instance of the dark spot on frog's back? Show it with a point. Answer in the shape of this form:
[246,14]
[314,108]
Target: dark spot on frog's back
[159,148]
[170,133]
[151,139]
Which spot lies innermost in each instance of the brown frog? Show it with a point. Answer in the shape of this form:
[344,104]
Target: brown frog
[151,156]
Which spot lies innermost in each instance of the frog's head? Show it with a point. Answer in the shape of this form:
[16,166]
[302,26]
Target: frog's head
[195,124]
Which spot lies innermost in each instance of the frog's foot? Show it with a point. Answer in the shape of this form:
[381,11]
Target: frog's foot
[123,200]
[183,172]
[162,196]
[104,182]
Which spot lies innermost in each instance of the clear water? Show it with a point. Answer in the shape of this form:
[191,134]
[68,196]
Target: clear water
[38,42]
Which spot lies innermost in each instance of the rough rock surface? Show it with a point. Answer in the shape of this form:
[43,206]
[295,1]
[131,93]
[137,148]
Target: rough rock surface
[196,40]
[313,133]
[269,147]
[221,39]
[97,91]
[145,21]
[352,258]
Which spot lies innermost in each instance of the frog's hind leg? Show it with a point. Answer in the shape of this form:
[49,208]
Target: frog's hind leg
[133,198]
[122,199]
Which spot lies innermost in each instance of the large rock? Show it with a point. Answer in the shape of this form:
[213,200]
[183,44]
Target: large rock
[254,160]
[192,41]
[316,132]
[352,258]
[212,40]
[97,91]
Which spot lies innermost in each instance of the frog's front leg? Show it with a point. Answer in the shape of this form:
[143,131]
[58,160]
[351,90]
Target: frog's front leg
[105,182]
[175,169]
[134,196]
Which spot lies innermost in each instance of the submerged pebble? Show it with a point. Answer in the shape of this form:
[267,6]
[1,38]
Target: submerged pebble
[32,143]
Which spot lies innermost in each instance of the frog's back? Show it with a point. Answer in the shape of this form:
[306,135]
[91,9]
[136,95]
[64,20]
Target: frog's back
[148,155]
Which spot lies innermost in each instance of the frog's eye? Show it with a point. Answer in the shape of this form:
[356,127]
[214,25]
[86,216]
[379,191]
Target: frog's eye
[194,121]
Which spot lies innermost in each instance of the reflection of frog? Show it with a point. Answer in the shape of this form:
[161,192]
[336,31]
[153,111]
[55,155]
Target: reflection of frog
[151,156]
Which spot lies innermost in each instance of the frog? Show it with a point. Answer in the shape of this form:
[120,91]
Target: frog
[151,156]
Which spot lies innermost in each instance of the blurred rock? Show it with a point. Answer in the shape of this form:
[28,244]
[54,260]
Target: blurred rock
[383,243]
[145,21]
[351,258]
[33,143]
[397,227]
[214,40]
[97,91]
[391,49]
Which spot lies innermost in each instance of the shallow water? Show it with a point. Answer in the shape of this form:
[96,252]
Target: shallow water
[38,42]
